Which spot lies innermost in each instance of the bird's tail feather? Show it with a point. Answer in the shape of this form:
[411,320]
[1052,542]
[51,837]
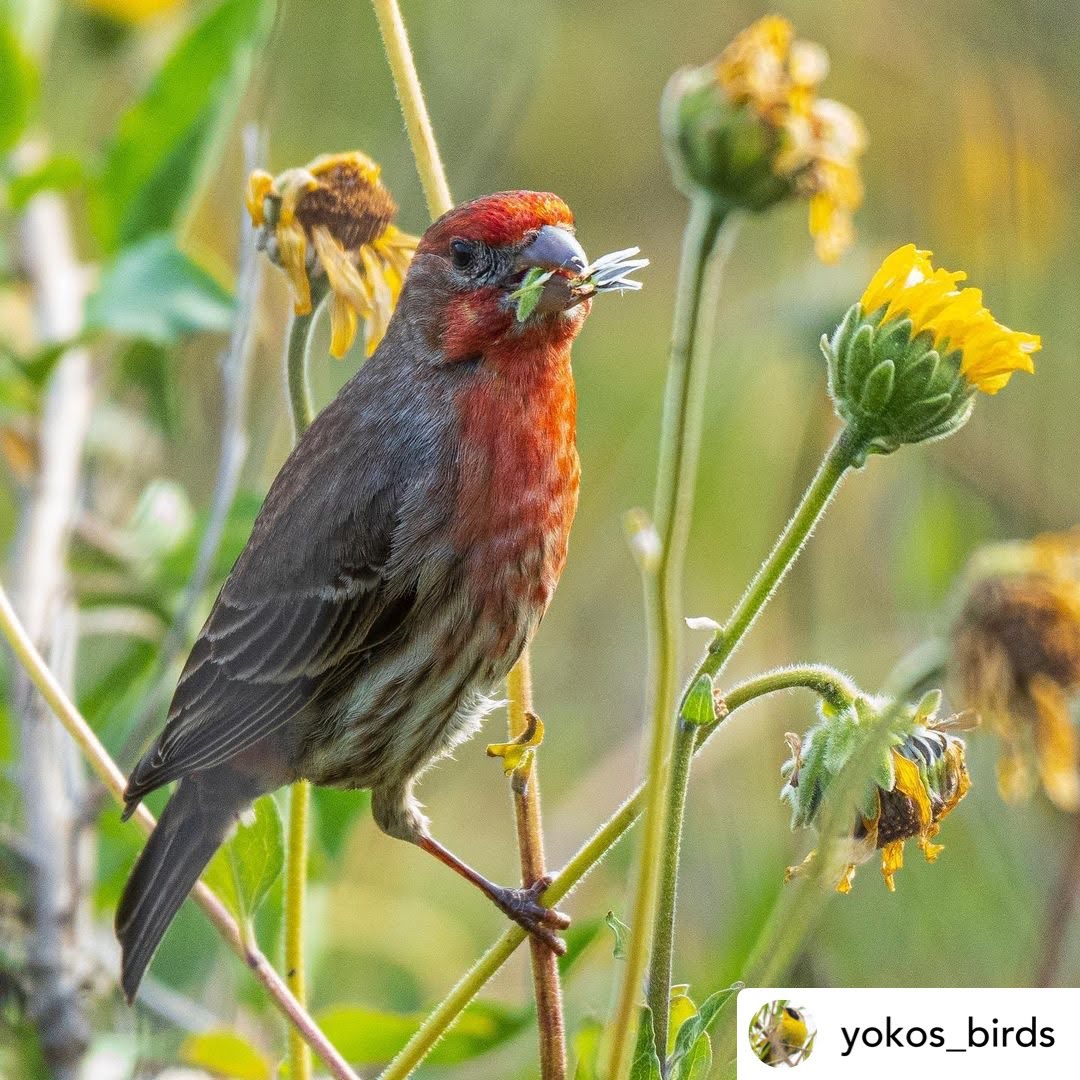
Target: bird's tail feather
[195,822]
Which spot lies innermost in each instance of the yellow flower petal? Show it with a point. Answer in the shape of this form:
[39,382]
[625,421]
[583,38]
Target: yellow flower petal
[1057,753]
[292,250]
[259,185]
[342,326]
[892,859]
[907,285]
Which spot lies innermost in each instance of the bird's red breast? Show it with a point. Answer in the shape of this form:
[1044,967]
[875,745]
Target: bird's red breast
[520,470]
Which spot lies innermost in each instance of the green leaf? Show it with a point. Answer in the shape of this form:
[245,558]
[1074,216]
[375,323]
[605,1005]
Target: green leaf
[530,291]
[587,1050]
[697,1064]
[646,1065]
[154,292]
[61,173]
[336,811]
[367,1037]
[698,1025]
[160,149]
[621,932]
[700,707]
[226,1053]
[18,86]
[245,867]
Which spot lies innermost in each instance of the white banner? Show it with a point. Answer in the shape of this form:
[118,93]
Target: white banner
[924,1034]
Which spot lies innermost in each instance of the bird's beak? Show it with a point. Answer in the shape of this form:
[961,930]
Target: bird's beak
[553,248]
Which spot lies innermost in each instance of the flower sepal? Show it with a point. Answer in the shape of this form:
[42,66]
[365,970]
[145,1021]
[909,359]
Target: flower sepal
[891,384]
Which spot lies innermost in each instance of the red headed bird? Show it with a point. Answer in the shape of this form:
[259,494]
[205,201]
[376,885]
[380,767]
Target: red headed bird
[403,558]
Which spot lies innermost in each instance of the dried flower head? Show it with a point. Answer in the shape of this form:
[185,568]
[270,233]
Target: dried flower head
[1015,657]
[751,129]
[916,783]
[334,218]
[906,360]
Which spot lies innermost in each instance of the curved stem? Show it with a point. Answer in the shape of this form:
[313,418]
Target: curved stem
[111,776]
[551,1027]
[297,349]
[684,403]
[819,678]
[411,97]
[297,352]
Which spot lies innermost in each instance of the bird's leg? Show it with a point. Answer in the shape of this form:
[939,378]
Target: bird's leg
[521,905]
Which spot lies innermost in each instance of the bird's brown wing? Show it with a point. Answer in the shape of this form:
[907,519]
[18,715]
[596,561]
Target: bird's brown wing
[315,589]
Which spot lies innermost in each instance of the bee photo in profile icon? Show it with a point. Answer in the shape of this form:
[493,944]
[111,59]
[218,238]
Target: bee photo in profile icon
[782,1034]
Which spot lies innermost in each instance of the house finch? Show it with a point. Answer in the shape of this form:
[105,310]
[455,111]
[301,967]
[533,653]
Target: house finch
[403,559]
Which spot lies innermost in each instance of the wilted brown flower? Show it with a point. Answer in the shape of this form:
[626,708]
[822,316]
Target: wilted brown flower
[1015,657]
[335,217]
[916,784]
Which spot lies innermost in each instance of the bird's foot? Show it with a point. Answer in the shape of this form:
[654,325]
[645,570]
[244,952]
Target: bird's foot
[524,907]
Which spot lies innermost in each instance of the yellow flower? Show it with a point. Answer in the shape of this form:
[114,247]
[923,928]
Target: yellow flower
[1015,657]
[908,285]
[334,218]
[777,77]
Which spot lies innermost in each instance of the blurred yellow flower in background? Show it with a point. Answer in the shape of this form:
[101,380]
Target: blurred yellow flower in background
[1015,657]
[131,11]
[907,285]
[334,217]
[777,76]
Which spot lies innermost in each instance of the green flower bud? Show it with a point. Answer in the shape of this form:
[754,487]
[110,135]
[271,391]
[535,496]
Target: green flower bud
[719,148]
[892,385]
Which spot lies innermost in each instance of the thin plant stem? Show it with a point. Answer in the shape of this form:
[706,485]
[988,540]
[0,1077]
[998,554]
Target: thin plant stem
[111,776]
[297,351]
[838,460]
[411,97]
[297,348]
[551,1027]
[1060,909]
[684,404]
[432,174]
[819,678]
[845,451]
[295,894]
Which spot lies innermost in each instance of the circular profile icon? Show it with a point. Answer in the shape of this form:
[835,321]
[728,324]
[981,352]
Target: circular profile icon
[782,1034]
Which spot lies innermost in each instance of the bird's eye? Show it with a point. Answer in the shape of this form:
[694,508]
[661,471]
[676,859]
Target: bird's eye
[461,254]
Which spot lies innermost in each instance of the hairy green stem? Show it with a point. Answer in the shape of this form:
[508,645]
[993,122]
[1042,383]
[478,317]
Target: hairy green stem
[684,405]
[411,97]
[819,678]
[845,451]
[297,350]
[840,457]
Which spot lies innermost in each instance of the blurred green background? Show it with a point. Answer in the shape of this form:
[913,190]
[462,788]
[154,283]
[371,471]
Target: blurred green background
[972,110]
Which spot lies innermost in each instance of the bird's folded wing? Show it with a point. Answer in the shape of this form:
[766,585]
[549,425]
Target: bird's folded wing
[258,663]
